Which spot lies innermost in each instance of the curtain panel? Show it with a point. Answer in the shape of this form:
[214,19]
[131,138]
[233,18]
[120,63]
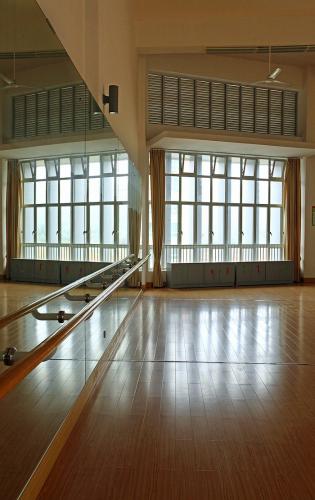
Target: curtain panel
[292,214]
[134,219]
[14,213]
[157,171]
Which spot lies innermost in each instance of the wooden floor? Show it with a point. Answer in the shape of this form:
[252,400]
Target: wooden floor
[208,398]
[31,414]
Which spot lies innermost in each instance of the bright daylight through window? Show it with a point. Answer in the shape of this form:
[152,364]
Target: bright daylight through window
[222,208]
[76,208]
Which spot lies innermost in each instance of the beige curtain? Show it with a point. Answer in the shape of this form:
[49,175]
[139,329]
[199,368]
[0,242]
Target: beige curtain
[292,214]
[157,170]
[134,218]
[13,217]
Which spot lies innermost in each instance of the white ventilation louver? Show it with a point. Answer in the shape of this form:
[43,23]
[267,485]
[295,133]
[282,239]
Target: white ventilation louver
[191,102]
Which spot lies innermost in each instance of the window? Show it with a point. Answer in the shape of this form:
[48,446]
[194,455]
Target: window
[223,208]
[76,207]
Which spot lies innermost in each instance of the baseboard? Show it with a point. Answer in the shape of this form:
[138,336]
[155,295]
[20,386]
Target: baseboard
[308,280]
[43,469]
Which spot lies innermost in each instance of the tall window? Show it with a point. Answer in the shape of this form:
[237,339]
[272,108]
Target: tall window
[76,207]
[223,208]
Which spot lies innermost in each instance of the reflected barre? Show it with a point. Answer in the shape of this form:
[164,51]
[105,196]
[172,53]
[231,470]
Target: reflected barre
[12,376]
[9,318]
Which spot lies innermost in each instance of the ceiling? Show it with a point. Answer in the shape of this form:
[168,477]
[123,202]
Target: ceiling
[288,59]
[23,27]
[27,39]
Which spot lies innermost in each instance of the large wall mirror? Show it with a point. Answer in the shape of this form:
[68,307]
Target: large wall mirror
[70,195]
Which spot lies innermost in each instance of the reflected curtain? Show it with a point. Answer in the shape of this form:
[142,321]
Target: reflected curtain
[13,215]
[134,218]
[292,214]
[157,171]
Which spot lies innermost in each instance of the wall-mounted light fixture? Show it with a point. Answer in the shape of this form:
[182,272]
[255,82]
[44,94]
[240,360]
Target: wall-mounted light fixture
[95,109]
[111,99]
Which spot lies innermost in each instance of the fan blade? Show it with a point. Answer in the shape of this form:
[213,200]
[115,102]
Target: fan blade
[269,82]
[273,75]
[6,79]
[16,86]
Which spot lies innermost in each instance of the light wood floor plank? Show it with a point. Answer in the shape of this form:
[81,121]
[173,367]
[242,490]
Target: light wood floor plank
[210,395]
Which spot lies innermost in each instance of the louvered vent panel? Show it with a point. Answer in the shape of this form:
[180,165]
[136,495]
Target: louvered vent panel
[30,115]
[67,120]
[155,92]
[42,113]
[170,100]
[186,102]
[261,111]
[289,112]
[54,111]
[96,121]
[81,108]
[60,110]
[275,111]
[202,103]
[232,107]
[247,109]
[19,116]
[217,105]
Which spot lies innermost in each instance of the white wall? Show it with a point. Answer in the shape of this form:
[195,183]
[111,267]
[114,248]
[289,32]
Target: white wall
[182,25]
[237,69]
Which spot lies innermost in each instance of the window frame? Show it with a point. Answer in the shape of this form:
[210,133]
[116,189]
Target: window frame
[87,203]
[227,203]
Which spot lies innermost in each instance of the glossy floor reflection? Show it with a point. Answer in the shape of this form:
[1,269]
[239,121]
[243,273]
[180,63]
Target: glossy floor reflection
[31,414]
[203,399]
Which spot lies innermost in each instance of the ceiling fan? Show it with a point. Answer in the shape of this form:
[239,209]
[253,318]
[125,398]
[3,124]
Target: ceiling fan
[271,78]
[11,84]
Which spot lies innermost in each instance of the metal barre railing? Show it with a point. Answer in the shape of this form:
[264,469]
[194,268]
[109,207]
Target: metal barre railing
[9,318]
[13,375]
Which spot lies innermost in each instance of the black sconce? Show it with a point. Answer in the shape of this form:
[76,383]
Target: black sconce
[96,110]
[111,99]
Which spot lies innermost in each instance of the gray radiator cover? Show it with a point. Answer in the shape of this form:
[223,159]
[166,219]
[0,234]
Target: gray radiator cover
[228,274]
[51,271]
